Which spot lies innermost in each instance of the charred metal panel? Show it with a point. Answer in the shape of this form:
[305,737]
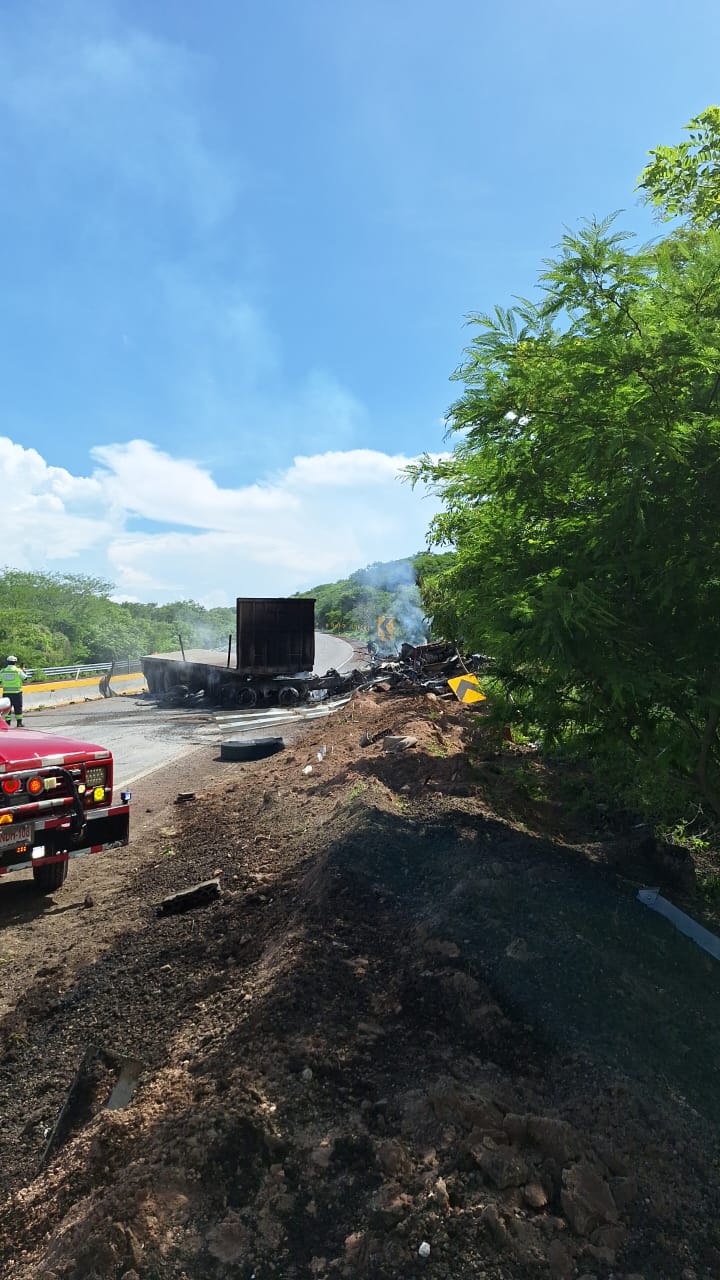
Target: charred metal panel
[275,637]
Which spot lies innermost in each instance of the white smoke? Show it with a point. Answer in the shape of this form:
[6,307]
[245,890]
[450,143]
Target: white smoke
[396,579]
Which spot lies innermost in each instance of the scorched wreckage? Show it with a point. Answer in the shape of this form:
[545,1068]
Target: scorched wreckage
[56,803]
[274,659]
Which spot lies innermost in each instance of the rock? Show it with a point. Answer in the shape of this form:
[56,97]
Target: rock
[392,1157]
[555,1138]
[551,1225]
[534,1195]
[130,1275]
[610,1237]
[437,947]
[229,1240]
[517,949]
[441,1195]
[491,1219]
[527,1242]
[586,1199]
[135,1248]
[559,1260]
[515,1127]
[306,1075]
[624,1190]
[390,1206]
[606,1256]
[453,1105]
[89,900]
[398,742]
[505,1168]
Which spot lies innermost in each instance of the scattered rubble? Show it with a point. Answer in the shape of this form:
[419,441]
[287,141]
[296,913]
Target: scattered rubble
[197,895]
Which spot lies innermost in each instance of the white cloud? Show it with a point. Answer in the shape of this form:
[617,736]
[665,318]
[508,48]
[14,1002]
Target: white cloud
[48,513]
[320,518]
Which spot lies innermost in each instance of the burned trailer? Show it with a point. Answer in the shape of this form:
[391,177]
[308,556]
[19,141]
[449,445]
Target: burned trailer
[274,659]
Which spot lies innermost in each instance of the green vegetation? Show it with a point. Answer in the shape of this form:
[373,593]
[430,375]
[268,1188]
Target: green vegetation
[353,605]
[58,619]
[582,498]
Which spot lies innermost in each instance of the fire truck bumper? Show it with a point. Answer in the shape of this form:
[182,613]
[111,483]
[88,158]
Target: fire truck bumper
[52,842]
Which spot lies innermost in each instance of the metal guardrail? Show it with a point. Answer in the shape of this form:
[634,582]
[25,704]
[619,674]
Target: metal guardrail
[123,667]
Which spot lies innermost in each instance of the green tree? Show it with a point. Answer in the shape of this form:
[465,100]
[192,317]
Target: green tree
[58,619]
[583,500]
[684,180]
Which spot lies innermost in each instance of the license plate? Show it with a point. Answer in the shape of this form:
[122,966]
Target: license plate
[13,835]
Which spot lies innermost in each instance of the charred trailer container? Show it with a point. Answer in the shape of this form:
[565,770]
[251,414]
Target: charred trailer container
[275,637]
[275,655]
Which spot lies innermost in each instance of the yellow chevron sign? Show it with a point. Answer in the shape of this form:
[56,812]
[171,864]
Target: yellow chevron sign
[385,628]
[467,689]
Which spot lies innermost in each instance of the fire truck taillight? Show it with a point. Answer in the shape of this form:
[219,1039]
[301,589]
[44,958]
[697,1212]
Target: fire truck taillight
[35,786]
[10,786]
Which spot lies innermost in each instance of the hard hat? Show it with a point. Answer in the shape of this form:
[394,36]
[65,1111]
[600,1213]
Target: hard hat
[11,658]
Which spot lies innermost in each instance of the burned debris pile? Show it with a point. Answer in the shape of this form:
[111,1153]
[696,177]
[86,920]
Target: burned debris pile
[423,668]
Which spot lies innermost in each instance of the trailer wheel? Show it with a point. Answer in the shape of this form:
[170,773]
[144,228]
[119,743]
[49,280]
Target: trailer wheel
[288,696]
[250,748]
[247,697]
[50,877]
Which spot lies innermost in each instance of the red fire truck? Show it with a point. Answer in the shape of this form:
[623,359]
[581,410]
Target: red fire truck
[56,803]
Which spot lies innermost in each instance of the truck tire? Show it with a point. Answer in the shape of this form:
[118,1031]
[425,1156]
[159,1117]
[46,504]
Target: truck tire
[250,748]
[50,877]
[288,696]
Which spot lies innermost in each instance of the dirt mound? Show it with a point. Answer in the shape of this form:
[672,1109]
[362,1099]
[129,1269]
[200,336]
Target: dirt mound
[342,1079]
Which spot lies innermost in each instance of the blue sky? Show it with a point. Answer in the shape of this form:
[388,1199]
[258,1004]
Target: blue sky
[240,241]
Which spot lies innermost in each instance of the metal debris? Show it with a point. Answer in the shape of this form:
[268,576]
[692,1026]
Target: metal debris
[683,922]
[82,1102]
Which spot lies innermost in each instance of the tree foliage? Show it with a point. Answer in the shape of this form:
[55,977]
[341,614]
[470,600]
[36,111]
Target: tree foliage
[583,500]
[684,180]
[58,619]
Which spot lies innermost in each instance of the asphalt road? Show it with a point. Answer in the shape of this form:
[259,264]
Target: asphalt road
[144,737]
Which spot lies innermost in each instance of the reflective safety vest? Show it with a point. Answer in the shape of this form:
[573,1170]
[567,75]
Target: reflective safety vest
[11,680]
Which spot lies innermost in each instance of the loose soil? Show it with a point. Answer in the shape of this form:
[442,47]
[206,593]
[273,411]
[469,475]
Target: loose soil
[427,1011]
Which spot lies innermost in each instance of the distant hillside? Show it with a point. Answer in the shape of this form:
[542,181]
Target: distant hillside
[391,588]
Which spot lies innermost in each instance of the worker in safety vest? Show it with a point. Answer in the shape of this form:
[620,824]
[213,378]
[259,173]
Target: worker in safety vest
[11,679]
